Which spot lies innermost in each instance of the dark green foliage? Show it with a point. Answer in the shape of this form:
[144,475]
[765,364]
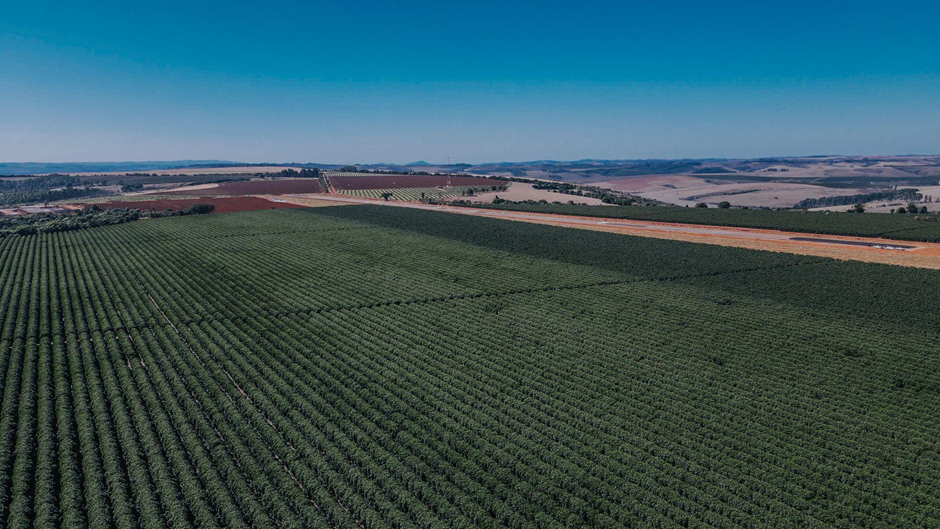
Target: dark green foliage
[651,167]
[198,209]
[54,222]
[90,217]
[39,183]
[164,179]
[899,227]
[712,170]
[825,202]
[640,257]
[867,180]
[293,173]
[39,196]
[44,189]
[379,367]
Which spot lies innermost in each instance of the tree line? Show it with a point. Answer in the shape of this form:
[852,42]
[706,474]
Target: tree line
[90,217]
[910,195]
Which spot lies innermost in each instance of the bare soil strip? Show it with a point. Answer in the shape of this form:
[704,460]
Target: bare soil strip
[917,255]
[302,200]
[855,243]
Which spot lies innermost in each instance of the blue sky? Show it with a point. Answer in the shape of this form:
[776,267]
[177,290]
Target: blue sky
[364,82]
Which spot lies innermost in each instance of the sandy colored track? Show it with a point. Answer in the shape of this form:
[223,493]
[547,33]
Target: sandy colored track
[917,254]
[310,201]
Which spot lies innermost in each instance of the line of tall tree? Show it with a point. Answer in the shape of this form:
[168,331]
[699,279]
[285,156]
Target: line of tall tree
[292,173]
[90,217]
[43,189]
[606,196]
[43,196]
[910,195]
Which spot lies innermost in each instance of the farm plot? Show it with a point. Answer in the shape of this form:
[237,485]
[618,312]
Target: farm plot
[255,187]
[222,205]
[374,181]
[371,367]
[409,193]
[136,198]
[925,228]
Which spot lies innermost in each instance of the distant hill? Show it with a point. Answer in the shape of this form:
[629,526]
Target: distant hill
[27,168]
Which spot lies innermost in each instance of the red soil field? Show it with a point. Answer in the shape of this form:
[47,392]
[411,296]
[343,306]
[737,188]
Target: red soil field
[405,181]
[222,205]
[273,187]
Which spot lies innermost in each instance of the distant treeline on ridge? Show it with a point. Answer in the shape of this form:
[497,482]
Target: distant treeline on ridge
[847,200]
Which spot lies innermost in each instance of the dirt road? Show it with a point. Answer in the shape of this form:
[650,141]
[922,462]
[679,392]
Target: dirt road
[901,253]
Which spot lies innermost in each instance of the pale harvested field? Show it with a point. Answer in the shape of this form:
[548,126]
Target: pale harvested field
[176,188]
[310,201]
[933,191]
[519,191]
[644,184]
[688,189]
[761,194]
[685,190]
[820,170]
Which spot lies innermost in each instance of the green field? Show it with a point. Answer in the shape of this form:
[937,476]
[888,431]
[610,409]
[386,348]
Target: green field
[374,367]
[899,227]
[367,174]
[132,198]
[410,193]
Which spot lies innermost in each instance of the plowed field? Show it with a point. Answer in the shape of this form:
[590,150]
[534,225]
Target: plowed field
[254,187]
[222,205]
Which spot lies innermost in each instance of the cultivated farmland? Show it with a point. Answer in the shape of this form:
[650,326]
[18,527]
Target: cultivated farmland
[399,181]
[907,227]
[409,193]
[374,367]
[222,204]
[255,187]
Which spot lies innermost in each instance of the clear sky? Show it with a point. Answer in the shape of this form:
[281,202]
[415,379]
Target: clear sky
[363,82]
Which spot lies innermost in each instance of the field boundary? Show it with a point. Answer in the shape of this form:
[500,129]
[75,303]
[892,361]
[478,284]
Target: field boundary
[922,255]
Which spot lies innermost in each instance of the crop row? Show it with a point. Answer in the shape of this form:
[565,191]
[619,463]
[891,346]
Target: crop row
[925,228]
[298,369]
[409,194]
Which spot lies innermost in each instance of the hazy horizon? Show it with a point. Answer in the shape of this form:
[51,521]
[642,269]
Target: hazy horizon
[418,163]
